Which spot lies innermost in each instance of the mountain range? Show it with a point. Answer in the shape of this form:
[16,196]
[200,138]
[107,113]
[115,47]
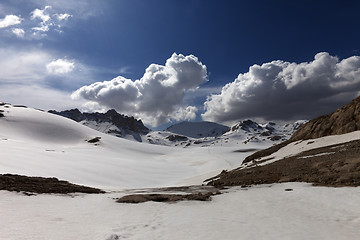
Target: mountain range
[184,133]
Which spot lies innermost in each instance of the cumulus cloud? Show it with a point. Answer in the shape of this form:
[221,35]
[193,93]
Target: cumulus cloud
[10,20]
[284,90]
[185,113]
[60,66]
[157,97]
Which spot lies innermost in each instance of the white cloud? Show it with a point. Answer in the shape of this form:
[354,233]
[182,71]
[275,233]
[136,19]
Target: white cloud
[42,28]
[10,20]
[284,90]
[45,18]
[40,14]
[157,97]
[185,113]
[62,16]
[60,66]
[19,32]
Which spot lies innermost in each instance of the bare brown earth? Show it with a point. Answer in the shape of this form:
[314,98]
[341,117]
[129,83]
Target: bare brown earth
[18,183]
[335,166]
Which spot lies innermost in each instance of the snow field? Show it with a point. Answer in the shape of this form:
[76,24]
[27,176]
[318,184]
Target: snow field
[259,212]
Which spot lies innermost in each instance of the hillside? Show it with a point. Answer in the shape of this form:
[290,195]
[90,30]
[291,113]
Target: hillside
[344,120]
[324,151]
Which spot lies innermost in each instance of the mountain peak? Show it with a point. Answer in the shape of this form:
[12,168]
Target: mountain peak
[246,125]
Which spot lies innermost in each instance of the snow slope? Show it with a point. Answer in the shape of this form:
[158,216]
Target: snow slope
[297,147]
[37,143]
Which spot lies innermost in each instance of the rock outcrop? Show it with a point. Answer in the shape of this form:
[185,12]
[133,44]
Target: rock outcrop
[344,120]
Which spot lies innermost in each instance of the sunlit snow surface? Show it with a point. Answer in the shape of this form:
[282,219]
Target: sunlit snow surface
[259,212]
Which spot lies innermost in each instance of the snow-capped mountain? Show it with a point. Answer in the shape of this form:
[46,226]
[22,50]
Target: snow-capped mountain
[183,134]
[110,122]
[203,134]
[253,131]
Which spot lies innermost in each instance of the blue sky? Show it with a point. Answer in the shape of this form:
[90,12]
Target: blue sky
[272,60]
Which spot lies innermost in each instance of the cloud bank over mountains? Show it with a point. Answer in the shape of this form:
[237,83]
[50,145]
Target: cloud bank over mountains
[276,90]
[284,90]
[157,97]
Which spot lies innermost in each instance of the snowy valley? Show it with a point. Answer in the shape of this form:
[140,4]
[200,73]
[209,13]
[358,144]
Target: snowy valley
[97,153]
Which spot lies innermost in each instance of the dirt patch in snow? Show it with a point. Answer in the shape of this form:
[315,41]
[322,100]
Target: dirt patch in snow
[18,183]
[336,166]
[188,193]
[140,198]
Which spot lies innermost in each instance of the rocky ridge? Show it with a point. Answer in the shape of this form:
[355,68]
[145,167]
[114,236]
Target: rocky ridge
[344,120]
[110,122]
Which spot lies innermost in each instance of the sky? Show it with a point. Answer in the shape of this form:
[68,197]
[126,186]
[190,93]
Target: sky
[181,60]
